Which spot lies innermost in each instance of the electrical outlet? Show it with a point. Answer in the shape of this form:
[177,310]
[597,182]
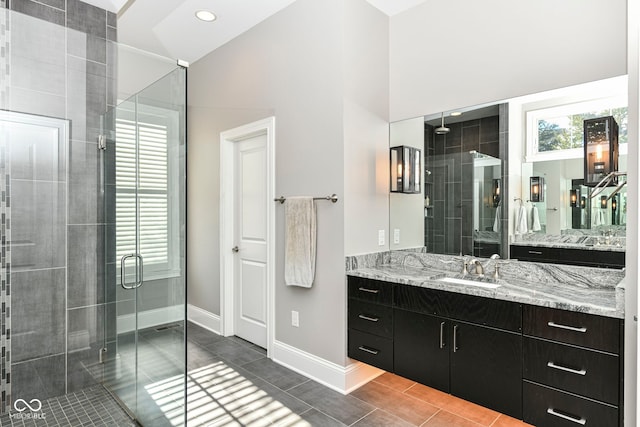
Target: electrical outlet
[396,236]
[380,237]
[295,319]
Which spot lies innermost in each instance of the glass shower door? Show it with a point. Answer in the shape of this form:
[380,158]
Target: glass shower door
[145,162]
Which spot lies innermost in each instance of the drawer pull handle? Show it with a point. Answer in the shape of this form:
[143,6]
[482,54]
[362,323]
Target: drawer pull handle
[368,350]
[455,338]
[568,328]
[535,252]
[580,421]
[442,334]
[370,319]
[371,291]
[564,368]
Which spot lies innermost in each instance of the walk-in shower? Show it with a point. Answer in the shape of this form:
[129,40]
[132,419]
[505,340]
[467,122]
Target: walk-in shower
[93,224]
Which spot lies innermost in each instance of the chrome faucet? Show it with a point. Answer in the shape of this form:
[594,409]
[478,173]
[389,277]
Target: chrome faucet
[478,268]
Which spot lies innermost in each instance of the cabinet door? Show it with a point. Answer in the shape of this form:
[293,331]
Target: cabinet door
[486,367]
[421,348]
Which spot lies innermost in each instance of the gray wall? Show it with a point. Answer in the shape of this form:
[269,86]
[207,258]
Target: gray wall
[447,55]
[60,67]
[300,69]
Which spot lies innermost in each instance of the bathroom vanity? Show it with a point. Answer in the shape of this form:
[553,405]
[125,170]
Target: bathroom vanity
[547,352]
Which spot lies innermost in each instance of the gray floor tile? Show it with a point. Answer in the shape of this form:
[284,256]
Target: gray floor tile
[379,418]
[312,417]
[201,335]
[246,343]
[275,374]
[238,353]
[346,409]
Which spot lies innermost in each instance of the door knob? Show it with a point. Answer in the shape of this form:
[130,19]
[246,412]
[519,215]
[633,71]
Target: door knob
[235,249]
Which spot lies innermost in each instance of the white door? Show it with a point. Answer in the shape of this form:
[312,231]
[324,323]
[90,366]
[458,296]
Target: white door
[250,238]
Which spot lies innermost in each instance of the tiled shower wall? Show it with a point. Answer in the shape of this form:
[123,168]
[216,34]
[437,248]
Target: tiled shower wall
[449,222]
[58,60]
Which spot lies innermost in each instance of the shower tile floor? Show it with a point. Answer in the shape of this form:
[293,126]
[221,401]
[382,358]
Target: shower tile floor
[231,382]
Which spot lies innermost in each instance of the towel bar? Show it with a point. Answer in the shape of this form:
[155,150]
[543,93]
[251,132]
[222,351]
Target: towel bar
[333,198]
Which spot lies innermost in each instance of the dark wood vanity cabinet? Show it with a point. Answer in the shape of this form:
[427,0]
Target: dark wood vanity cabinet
[547,366]
[370,337]
[465,345]
[582,257]
[572,373]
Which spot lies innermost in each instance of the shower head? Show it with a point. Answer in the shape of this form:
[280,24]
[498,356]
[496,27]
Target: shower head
[442,129]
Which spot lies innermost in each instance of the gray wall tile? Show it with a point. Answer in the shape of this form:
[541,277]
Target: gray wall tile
[85,267]
[97,49]
[85,198]
[38,314]
[86,18]
[39,103]
[39,10]
[39,378]
[38,224]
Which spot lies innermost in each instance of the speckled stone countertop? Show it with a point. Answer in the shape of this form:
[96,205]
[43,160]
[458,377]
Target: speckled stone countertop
[569,241]
[582,289]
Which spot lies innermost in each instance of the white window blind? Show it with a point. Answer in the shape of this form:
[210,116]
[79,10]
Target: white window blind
[148,187]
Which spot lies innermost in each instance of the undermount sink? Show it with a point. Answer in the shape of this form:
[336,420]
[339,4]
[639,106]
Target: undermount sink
[469,283]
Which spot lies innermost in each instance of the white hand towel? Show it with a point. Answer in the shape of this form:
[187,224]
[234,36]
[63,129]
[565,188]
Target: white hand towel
[603,217]
[583,218]
[496,220]
[300,241]
[535,219]
[521,221]
[597,218]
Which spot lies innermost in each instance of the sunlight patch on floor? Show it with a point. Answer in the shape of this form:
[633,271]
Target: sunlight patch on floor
[217,395]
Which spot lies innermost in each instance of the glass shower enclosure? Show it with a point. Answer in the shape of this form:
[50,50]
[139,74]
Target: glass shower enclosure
[145,198]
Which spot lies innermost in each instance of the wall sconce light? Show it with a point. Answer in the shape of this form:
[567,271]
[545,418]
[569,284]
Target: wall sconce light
[573,198]
[536,189]
[406,169]
[497,196]
[603,202]
[583,202]
[600,149]
[614,204]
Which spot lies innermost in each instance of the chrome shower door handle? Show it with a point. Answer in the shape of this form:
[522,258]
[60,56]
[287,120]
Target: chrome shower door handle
[141,267]
[139,271]
[123,280]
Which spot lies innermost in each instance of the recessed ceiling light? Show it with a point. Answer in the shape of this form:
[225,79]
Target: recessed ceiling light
[456,113]
[205,15]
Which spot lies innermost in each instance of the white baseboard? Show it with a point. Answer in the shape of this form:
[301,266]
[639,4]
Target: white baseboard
[343,379]
[150,318]
[203,318]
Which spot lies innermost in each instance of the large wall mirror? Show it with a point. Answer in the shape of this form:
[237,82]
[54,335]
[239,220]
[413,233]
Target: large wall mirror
[481,166]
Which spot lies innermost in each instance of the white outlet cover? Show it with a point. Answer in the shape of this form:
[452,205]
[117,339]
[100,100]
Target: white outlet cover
[380,237]
[396,236]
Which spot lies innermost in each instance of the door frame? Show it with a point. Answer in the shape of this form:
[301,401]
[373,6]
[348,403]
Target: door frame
[228,139]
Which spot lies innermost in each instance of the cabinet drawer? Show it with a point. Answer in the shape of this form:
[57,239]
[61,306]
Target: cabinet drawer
[468,308]
[544,406]
[373,318]
[370,290]
[586,330]
[371,349]
[584,372]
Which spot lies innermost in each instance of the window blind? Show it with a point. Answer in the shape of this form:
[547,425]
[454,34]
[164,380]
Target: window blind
[142,190]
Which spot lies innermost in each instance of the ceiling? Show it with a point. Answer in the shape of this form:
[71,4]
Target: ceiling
[169,27]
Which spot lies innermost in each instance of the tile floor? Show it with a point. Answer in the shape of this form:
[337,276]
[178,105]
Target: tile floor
[230,382]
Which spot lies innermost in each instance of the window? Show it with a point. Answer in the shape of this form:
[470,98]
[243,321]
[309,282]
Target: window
[557,132]
[146,192]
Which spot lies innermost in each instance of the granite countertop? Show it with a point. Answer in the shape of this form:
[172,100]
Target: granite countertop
[583,246]
[572,241]
[581,289]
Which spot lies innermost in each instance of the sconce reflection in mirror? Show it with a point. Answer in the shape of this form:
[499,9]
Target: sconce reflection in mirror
[497,183]
[536,189]
[573,198]
[583,202]
[405,169]
[603,202]
[600,149]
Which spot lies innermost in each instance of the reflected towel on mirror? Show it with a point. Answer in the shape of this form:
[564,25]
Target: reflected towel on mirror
[535,219]
[496,220]
[300,241]
[521,221]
